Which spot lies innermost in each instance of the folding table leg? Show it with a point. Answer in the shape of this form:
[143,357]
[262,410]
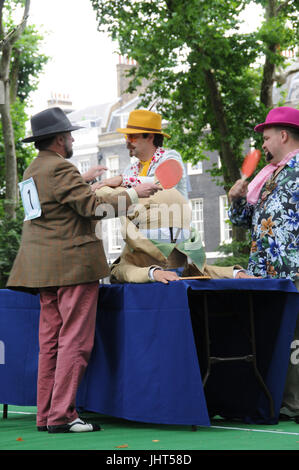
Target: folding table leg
[5,408]
[256,371]
[207,341]
[207,347]
[249,358]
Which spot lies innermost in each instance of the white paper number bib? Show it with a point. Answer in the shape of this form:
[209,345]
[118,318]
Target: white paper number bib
[30,199]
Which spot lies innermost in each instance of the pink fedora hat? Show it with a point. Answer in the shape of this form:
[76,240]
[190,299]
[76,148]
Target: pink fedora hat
[280,116]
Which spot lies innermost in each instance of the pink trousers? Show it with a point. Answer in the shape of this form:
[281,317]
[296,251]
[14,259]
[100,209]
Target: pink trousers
[66,337]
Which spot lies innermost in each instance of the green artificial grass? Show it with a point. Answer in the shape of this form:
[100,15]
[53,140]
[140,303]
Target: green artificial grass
[18,433]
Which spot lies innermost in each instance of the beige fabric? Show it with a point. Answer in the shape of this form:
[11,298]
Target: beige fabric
[140,254]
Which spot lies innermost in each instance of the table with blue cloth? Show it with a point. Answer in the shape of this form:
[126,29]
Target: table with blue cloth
[150,350]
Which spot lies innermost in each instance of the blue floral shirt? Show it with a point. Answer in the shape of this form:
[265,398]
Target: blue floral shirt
[274,225]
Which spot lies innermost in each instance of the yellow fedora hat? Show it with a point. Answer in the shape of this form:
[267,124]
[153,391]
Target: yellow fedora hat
[141,121]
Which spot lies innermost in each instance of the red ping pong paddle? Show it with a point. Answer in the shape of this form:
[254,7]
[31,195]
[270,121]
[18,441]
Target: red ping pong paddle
[169,173]
[250,163]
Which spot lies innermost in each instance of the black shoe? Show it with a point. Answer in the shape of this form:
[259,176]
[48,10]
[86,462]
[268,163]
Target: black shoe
[283,417]
[42,428]
[76,426]
[297,419]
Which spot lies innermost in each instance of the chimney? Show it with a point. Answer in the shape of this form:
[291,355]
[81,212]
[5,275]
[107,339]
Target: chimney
[62,100]
[124,65]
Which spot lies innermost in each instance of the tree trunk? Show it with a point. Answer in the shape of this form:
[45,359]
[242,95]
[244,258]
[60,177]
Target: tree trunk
[11,192]
[268,79]
[231,170]
[269,67]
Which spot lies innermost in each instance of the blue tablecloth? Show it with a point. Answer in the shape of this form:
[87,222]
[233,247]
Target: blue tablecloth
[144,364]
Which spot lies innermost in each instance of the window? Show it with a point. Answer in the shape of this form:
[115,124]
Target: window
[226,231]
[124,119]
[194,169]
[84,166]
[114,235]
[113,166]
[197,216]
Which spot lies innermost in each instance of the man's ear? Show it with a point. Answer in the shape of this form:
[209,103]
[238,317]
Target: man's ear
[59,139]
[284,136]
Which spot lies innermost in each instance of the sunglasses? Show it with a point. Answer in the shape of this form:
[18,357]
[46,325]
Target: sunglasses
[131,138]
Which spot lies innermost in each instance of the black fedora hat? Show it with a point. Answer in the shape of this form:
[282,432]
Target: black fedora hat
[48,123]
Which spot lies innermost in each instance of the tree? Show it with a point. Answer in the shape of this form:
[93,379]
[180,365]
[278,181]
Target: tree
[275,35]
[201,65]
[205,72]
[24,64]
[7,44]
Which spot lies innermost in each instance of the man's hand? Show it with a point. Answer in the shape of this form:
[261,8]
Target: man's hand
[112,182]
[238,190]
[94,172]
[147,189]
[244,275]
[165,276]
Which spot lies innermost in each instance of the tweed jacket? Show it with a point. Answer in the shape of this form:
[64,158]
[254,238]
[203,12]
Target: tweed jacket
[143,250]
[60,247]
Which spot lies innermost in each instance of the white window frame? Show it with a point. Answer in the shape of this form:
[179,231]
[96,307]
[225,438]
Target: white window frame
[196,169]
[198,222]
[124,119]
[84,165]
[114,235]
[225,227]
[112,163]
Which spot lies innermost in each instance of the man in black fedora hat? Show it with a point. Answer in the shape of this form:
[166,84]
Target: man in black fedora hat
[48,123]
[61,258]
[44,126]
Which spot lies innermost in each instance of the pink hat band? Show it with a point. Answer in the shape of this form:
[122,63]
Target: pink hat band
[284,116]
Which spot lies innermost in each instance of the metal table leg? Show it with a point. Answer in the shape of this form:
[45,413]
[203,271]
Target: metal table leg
[247,358]
[4,413]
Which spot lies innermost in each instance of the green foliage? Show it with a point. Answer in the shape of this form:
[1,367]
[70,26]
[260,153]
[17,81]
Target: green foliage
[25,67]
[234,253]
[10,236]
[24,153]
[29,61]
[186,48]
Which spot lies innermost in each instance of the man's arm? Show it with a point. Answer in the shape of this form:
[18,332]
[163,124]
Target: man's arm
[238,191]
[93,173]
[159,275]
[70,188]
[125,270]
[113,182]
[240,212]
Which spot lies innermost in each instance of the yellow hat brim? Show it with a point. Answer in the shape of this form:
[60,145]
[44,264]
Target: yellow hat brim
[141,131]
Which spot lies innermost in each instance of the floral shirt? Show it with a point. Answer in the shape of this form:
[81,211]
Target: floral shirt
[274,224]
[131,174]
